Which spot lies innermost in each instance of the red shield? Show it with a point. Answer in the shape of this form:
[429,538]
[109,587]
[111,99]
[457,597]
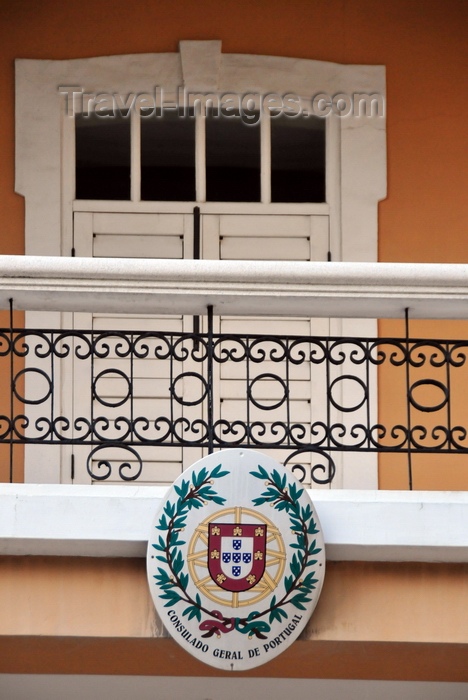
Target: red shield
[236,555]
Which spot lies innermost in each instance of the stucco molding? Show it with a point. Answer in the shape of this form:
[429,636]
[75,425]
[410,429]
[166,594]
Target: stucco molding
[355,290]
[40,127]
[64,520]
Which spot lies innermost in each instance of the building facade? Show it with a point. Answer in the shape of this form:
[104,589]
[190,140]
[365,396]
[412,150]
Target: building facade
[235,179]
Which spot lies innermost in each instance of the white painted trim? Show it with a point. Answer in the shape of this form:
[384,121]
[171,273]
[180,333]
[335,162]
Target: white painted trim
[200,158]
[77,687]
[64,520]
[265,160]
[354,290]
[135,156]
[94,205]
[199,65]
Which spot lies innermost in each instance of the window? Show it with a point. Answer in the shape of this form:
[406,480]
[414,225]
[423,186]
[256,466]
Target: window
[232,159]
[190,157]
[288,188]
[102,156]
[168,158]
[297,159]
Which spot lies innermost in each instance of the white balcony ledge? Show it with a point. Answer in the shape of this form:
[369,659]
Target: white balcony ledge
[359,290]
[115,521]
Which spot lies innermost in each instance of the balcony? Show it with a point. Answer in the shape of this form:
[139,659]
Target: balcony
[123,404]
[392,402]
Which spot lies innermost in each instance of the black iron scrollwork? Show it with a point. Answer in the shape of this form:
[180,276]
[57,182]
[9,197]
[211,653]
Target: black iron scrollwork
[309,397]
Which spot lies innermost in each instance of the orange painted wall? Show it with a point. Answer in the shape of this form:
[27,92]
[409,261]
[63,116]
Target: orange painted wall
[373,620]
[421,42]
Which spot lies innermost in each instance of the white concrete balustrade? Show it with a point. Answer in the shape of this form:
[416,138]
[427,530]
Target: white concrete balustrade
[323,289]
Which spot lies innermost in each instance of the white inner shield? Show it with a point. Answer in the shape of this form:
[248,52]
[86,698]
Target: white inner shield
[237,556]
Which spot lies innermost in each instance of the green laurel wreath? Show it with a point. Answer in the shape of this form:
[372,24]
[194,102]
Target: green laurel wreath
[299,584]
[195,494]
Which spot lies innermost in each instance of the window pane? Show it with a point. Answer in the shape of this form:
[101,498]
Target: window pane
[232,159]
[168,157]
[297,159]
[102,156]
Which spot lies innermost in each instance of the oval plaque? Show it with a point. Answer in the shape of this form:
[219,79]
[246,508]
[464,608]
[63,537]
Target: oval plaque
[236,559]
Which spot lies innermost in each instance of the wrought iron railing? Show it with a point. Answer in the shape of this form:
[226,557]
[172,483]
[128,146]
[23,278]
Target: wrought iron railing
[123,396]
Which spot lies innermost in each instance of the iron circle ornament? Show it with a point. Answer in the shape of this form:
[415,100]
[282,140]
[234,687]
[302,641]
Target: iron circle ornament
[236,559]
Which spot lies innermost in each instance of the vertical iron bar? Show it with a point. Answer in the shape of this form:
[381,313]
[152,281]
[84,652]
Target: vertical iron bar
[91,408]
[248,393]
[408,405]
[132,382]
[288,395]
[368,394]
[52,382]
[11,390]
[449,395]
[196,256]
[327,379]
[210,380]
[196,233]
[172,394]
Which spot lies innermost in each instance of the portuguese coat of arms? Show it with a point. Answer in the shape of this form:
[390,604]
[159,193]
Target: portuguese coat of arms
[235,579]
[236,554]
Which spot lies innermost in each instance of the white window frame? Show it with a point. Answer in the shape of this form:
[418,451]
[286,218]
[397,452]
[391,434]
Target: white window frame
[44,141]
[45,146]
[332,183]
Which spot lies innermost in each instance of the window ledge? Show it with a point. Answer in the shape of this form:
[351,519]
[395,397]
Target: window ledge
[65,520]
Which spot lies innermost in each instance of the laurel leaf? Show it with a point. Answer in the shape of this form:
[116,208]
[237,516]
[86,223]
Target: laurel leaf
[166,586]
[299,600]
[277,480]
[169,509]
[295,492]
[178,563]
[315,551]
[295,524]
[217,474]
[220,501]
[162,525]
[295,566]
[306,512]
[182,490]
[172,597]
[198,479]
[309,581]
[281,505]
[274,615]
[262,473]
[258,501]
[162,576]
[206,492]
[194,612]
[271,492]
[178,523]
